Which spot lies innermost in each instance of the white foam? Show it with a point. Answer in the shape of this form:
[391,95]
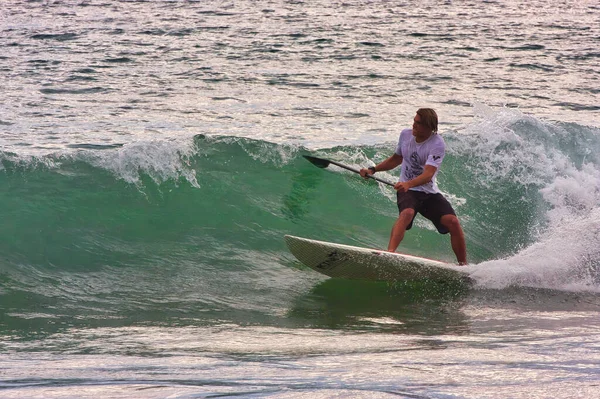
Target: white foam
[566,255]
[162,160]
[566,258]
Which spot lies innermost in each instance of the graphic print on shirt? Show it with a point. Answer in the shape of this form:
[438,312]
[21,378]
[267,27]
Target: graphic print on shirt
[417,155]
[415,169]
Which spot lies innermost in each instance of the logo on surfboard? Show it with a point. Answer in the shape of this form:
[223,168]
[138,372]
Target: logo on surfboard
[333,258]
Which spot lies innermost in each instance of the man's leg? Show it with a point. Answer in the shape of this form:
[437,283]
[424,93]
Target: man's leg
[457,237]
[406,216]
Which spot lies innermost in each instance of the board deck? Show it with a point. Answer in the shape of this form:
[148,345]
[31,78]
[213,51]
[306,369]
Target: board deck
[346,261]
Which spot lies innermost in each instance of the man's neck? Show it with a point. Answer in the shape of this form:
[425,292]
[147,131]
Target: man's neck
[424,137]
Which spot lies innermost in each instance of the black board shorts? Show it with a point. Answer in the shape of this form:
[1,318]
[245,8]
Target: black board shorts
[432,206]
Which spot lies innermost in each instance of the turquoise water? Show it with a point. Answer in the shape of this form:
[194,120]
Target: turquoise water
[151,163]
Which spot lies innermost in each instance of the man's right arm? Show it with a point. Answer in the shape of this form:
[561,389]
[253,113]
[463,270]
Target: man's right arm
[389,164]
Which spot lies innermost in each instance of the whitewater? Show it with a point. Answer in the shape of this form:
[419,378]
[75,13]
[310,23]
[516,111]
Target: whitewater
[151,161]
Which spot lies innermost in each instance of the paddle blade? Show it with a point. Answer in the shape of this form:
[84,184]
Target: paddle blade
[318,162]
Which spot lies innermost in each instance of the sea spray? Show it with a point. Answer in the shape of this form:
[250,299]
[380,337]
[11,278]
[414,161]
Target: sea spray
[560,171]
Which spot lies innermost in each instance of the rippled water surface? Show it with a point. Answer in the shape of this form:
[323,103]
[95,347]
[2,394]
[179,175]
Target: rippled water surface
[105,72]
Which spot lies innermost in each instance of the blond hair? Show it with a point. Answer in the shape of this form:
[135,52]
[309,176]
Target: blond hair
[428,118]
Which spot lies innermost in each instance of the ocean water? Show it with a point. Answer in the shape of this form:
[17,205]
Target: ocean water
[151,163]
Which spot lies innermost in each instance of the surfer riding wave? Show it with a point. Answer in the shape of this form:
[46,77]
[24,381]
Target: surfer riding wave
[420,151]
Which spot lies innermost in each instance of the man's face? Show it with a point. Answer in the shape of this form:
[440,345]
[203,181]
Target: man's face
[419,128]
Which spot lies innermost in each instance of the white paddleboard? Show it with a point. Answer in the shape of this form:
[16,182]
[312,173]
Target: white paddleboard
[346,261]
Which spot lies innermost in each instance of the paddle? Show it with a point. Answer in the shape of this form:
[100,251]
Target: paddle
[323,163]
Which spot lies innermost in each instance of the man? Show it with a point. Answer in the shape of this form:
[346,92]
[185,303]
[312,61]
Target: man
[421,150]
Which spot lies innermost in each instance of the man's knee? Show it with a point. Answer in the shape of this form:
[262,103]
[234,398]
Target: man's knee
[407,213]
[406,216]
[451,223]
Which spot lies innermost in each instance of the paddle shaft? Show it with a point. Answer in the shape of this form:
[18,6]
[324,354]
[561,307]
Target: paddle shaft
[325,162]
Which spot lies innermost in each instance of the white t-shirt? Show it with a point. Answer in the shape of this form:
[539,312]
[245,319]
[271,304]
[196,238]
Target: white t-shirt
[416,155]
